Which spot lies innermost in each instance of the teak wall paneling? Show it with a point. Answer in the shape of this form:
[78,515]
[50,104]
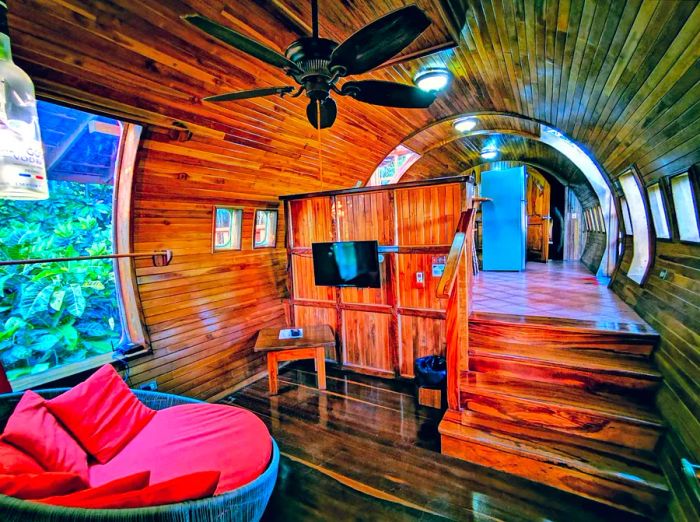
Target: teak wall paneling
[352,211]
[316,315]
[380,331]
[204,309]
[671,304]
[313,221]
[420,336]
[366,341]
[428,215]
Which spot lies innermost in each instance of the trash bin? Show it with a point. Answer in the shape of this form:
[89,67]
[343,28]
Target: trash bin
[431,372]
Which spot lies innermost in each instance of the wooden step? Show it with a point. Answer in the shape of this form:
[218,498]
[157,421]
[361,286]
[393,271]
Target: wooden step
[512,333]
[622,478]
[595,373]
[567,409]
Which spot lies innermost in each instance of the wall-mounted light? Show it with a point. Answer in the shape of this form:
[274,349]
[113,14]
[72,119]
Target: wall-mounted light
[464,124]
[489,153]
[431,80]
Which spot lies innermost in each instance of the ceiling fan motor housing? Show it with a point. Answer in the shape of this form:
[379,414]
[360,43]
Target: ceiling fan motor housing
[313,56]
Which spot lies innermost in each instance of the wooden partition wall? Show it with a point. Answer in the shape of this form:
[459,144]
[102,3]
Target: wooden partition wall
[379,331]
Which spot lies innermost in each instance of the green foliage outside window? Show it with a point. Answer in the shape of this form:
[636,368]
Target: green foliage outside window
[57,313]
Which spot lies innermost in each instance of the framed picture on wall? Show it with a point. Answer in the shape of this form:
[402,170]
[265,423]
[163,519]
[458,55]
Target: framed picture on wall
[265,231]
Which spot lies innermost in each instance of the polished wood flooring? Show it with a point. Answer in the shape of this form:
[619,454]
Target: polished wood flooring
[365,450]
[554,289]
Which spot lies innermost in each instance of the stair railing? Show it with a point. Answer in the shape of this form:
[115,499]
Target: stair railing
[455,286]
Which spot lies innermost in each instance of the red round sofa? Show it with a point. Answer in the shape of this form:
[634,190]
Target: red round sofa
[176,439]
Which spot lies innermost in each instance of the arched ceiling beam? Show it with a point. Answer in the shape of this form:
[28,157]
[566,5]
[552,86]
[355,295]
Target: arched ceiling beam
[437,134]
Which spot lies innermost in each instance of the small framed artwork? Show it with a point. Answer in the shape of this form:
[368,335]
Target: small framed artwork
[265,232]
[227,229]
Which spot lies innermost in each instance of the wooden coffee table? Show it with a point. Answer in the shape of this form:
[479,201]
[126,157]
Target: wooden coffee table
[311,346]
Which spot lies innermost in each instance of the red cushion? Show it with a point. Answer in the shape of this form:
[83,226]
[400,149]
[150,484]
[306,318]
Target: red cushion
[5,386]
[187,487]
[194,437]
[102,413]
[40,485]
[14,460]
[32,428]
[120,485]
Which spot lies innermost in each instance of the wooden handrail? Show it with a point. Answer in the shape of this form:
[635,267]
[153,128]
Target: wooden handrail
[449,276]
[160,258]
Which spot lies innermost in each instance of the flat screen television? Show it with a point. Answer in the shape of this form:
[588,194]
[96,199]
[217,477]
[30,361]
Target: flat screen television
[346,263]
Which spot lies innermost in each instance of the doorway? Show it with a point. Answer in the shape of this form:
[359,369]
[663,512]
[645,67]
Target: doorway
[546,211]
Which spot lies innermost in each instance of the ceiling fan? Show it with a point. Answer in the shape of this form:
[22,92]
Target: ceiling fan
[317,64]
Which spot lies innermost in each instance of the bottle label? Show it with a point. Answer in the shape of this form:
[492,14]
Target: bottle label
[22,170]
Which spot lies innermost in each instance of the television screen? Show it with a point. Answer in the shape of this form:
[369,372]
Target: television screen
[347,263]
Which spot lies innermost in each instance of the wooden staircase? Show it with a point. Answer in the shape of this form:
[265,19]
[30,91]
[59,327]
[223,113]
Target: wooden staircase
[562,402]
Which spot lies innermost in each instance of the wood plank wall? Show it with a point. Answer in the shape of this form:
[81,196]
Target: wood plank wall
[380,331]
[593,250]
[671,304]
[203,311]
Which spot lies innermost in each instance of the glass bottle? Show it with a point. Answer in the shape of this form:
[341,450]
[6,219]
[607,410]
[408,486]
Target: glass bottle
[22,169]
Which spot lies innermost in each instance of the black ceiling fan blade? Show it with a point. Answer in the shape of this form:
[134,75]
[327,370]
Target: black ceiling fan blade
[253,93]
[328,112]
[388,94]
[241,42]
[378,41]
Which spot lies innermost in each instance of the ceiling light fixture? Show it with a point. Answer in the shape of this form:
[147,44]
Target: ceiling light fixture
[464,124]
[431,80]
[489,153]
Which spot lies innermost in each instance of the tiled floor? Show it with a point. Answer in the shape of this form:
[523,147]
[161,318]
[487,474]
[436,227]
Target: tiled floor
[553,289]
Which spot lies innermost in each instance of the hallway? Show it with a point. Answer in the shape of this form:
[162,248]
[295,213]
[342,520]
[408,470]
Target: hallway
[556,289]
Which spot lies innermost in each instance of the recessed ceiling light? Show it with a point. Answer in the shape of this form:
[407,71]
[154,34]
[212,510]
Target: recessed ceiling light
[431,80]
[465,124]
[489,153]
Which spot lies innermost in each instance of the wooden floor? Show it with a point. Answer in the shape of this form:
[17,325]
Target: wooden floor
[364,450]
[554,289]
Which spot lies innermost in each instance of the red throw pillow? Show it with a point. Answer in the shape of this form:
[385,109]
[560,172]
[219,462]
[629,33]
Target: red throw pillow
[40,485]
[187,487]
[102,413]
[121,485]
[32,428]
[14,461]
[5,386]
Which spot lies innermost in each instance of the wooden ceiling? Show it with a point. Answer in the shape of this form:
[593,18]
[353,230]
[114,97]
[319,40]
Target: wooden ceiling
[622,78]
[460,155]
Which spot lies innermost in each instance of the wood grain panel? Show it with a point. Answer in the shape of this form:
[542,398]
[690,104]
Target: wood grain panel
[416,295]
[313,315]
[428,216]
[671,305]
[304,285]
[203,310]
[366,340]
[312,221]
[420,336]
[366,217]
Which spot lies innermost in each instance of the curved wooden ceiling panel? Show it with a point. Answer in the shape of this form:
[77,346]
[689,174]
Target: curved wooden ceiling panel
[463,154]
[621,78]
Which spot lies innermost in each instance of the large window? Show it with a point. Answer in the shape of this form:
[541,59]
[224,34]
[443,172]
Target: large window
[686,210]
[393,166]
[626,219]
[56,313]
[658,211]
[637,216]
